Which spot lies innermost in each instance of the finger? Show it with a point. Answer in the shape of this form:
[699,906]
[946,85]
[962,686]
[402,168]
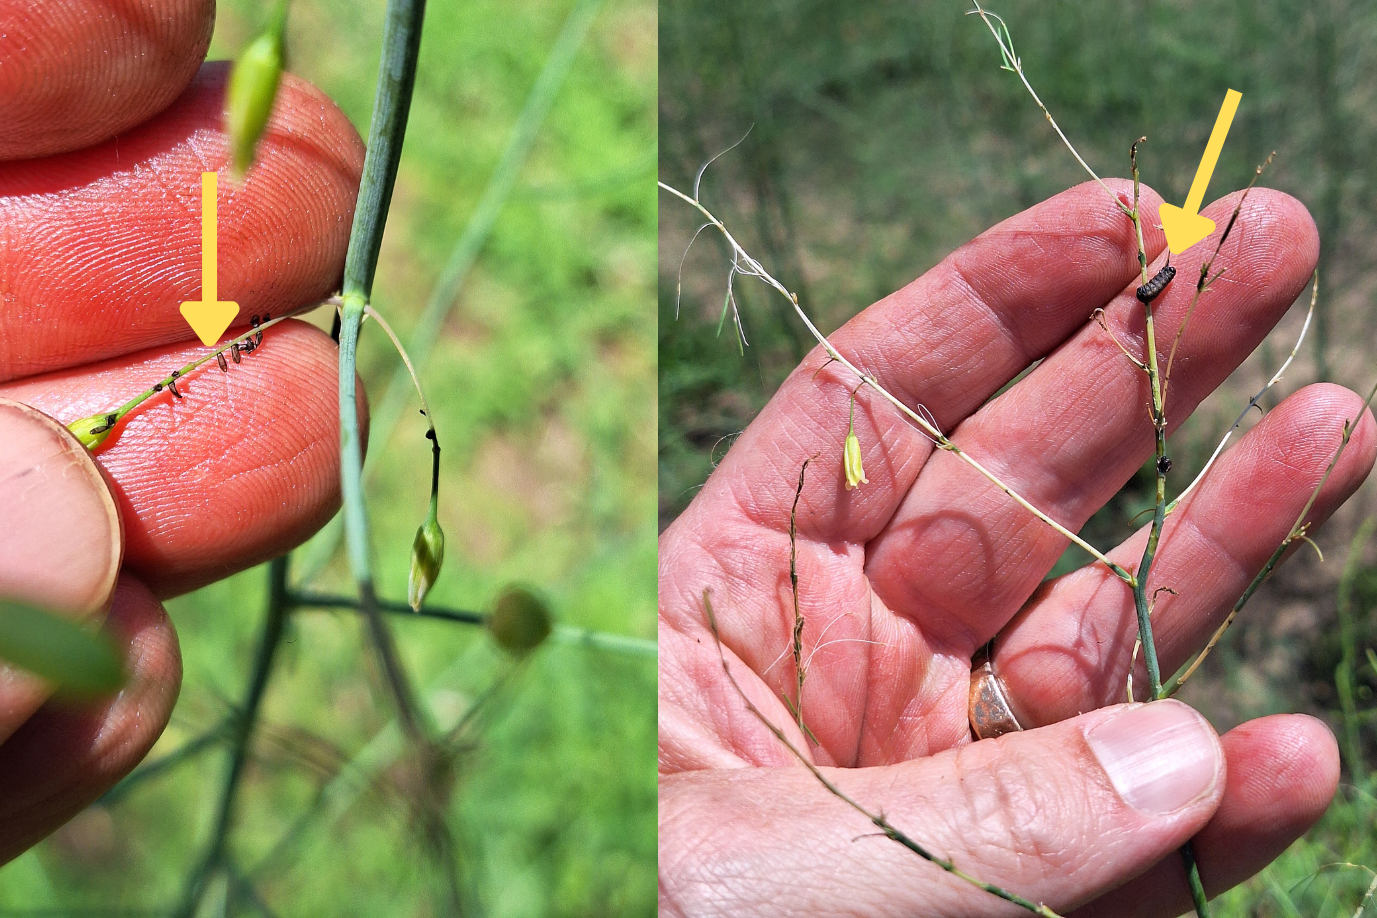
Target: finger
[60,543]
[1071,433]
[242,468]
[1282,774]
[65,757]
[77,72]
[1069,650]
[947,341]
[100,247]
[1058,815]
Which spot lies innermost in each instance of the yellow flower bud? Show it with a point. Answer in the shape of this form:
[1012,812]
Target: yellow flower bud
[427,554]
[520,622]
[252,90]
[851,460]
[95,430]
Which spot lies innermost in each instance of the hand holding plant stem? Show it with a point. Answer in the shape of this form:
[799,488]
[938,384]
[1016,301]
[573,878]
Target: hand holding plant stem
[884,572]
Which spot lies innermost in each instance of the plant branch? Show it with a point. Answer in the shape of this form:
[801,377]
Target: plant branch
[746,265]
[1206,280]
[1299,530]
[879,821]
[564,634]
[1255,401]
[471,242]
[1013,64]
[270,637]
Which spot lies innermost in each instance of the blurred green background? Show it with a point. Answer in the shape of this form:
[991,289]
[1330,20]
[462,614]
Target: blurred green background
[883,135]
[541,381]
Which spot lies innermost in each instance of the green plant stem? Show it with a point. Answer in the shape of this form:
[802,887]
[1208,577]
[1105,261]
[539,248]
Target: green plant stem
[115,415]
[470,244]
[181,755]
[877,819]
[746,265]
[1297,531]
[1140,594]
[563,634]
[392,104]
[396,80]
[270,637]
[1142,605]
[1197,888]
[330,601]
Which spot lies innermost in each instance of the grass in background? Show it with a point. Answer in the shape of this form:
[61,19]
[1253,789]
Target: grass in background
[540,384]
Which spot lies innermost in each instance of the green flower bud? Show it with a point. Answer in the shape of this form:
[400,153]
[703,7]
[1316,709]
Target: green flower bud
[252,90]
[520,622]
[427,554]
[95,430]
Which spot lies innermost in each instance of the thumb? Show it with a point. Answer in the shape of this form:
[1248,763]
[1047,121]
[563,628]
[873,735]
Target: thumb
[60,537]
[1058,815]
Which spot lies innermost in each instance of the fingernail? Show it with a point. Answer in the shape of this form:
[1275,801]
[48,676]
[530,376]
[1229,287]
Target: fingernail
[1160,756]
[60,547]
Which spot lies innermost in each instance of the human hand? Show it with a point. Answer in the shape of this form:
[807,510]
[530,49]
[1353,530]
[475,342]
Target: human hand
[110,118]
[903,580]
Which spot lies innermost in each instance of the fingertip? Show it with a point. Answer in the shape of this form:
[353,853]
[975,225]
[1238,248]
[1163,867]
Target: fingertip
[283,232]
[1285,766]
[1316,417]
[78,72]
[1274,234]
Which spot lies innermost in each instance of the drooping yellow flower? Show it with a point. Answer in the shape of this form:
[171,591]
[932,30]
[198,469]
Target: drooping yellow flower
[851,453]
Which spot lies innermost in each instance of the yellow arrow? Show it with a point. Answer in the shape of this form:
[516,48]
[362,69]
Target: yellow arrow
[209,316]
[1183,225]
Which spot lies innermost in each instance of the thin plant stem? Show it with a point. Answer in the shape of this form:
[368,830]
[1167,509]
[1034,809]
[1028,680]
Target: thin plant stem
[1013,64]
[1297,532]
[352,781]
[1256,400]
[879,821]
[396,80]
[431,435]
[311,600]
[406,359]
[1159,424]
[392,104]
[799,672]
[115,415]
[1205,280]
[1193,881]
[470,245]
[563,634]
[269,639]
[748,266]
[179,756]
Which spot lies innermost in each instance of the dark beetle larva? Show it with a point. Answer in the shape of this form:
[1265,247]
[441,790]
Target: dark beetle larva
[1149,291]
